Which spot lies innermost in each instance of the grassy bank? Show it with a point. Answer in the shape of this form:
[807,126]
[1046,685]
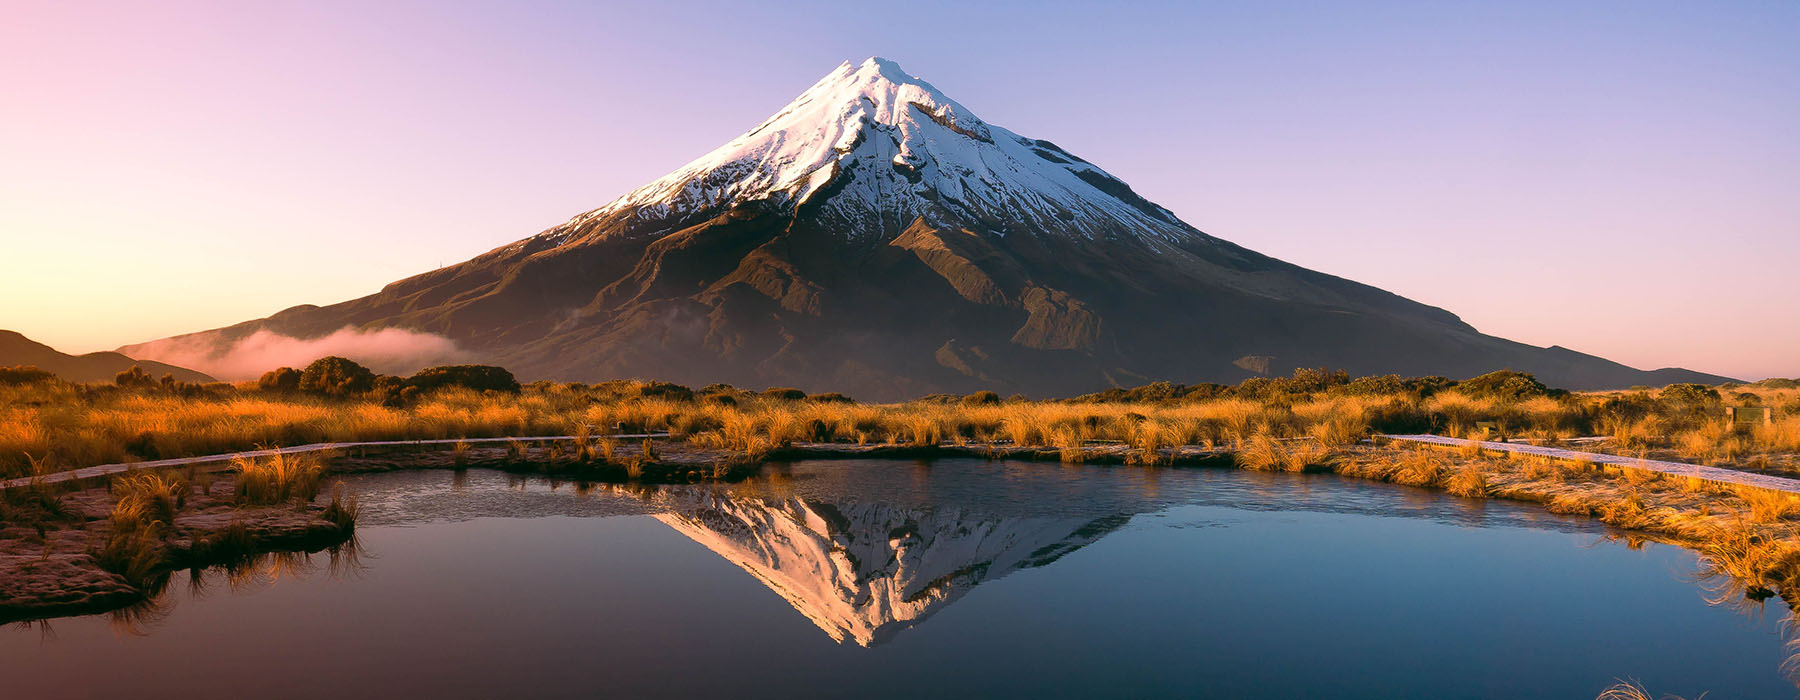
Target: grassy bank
[1312,421]
[81,550]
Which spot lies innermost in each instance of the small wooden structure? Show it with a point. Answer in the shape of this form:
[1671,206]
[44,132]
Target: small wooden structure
[1749,416]
[1491,429]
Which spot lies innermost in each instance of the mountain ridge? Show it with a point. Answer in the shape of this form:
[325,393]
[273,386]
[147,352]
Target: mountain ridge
[876,237]
[18,350]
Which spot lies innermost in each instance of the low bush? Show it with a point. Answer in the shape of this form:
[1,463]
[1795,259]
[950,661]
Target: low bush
[24,374]
[134,377]
[477,377]
[1505,385]
[981,398]
[281,380]
[336,376]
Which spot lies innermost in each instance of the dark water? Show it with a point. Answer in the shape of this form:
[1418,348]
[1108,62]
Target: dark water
[950,579]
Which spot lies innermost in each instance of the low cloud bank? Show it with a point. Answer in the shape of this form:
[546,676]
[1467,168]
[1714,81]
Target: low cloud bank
[386,350]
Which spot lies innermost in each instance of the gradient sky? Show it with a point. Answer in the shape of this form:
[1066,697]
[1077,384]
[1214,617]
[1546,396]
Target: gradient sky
[1622,178]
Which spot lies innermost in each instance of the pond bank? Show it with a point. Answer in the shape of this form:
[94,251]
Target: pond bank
[52,565]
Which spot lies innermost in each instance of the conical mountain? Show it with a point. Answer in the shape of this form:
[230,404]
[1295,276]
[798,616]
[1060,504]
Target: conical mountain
[877,237]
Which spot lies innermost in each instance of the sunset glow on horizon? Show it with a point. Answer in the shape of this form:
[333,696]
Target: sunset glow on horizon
[1619,178]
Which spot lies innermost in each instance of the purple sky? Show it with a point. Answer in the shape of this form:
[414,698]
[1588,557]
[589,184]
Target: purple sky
[1622,178]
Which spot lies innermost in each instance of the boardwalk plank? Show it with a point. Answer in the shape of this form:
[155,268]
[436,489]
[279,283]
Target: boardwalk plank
[1712,474]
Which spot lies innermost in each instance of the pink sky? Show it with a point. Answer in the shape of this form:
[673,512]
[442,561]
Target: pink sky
[1619,178]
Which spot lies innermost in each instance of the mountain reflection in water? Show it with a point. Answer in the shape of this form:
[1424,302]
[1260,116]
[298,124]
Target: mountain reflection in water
[863,571]
[863,555]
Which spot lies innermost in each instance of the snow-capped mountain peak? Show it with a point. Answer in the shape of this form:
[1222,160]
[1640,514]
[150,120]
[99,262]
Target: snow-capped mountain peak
[870,148]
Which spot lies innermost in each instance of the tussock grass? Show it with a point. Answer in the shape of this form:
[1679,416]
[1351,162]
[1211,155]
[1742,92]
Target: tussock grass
[277,479]
[1469,482]
[343,509]
[1261,452]
[140,524]
[1768,506]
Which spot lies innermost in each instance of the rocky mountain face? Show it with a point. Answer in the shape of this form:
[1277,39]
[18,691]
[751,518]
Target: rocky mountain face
[18,350]
[875,237]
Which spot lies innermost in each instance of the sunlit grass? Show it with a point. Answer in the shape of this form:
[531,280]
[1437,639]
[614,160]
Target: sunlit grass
[277,479]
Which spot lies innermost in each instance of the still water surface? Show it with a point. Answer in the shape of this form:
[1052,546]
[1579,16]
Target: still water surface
[953,578]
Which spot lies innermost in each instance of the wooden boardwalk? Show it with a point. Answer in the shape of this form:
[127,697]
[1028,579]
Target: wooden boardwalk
[1712,474]
[223,461]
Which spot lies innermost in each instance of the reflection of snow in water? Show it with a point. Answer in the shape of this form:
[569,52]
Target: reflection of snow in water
[864,571]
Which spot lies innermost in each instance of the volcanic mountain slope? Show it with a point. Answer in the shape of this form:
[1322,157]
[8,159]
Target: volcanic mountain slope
[16,350]
[876,237]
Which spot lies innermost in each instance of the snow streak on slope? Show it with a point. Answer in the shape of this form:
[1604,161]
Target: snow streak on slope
[872,149]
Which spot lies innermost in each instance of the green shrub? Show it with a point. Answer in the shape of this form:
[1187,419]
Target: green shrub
[1687,396]
[635,389]
[24,374]
[981,398]
[832,397]
[393,392]
[1504,384]
[784,393]
[1627,408]
[1427,386]
[336,376]
[135,377]
[282,380]
[665,390]
[478,377]
[1383,385]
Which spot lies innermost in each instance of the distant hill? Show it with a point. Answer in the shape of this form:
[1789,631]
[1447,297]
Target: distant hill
[16,349]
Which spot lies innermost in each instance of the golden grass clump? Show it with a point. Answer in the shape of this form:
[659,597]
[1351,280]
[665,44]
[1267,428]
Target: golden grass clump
[1263,452]
[1468,481]
[277,479]
[1420,468]
[140,523]
[1783,435]
[149,496]
[1768,506]
[1634,433]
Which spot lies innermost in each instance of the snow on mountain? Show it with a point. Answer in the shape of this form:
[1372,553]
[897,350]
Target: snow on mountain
[875,148]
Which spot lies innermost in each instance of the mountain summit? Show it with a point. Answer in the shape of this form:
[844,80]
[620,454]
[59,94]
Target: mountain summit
[876,149]
[874,236]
